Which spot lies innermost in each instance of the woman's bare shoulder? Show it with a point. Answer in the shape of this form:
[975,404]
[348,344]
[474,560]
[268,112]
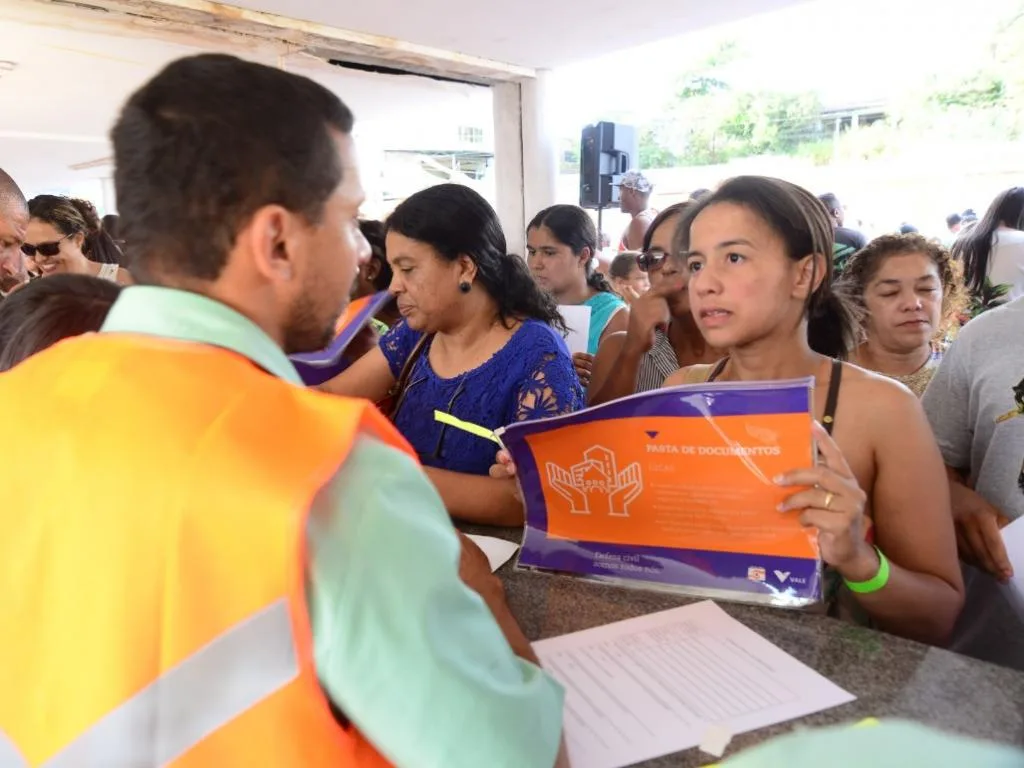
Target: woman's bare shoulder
[612,342]
[868,392]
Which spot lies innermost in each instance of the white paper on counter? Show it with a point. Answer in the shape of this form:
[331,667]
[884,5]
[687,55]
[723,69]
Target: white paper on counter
[498,551]
[577,317]
[1013,539]
[654,685]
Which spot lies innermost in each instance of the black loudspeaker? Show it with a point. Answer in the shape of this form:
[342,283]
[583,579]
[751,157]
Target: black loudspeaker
[607,150]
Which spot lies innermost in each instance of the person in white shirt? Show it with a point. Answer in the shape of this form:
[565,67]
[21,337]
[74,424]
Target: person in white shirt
[994,247]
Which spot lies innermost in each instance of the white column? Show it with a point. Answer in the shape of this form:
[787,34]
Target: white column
[109,195]
[540,149]
[508,164]
[526,155]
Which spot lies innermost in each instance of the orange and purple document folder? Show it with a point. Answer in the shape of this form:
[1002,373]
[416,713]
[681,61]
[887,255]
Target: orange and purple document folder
[674,489]
[318,367]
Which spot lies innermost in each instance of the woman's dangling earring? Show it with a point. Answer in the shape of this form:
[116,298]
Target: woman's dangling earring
[465,286]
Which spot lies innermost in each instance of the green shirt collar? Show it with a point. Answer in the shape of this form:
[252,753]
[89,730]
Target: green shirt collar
[186,316]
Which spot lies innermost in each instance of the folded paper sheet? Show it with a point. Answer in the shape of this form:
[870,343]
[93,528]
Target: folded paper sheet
[674,489]
[661,683]
[577,318]
[498,551]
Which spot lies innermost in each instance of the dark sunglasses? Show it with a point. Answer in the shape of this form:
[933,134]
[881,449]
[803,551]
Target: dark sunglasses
[49,250]
[648,261]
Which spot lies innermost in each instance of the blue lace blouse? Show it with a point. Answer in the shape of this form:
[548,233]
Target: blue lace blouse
[531,377]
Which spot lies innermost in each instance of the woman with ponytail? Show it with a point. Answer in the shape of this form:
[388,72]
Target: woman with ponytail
[758,252]
[561,249]
[64,235]
[478,347]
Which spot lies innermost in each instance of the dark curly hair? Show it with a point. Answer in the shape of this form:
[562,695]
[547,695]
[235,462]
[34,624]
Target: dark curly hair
[72,216]
[864,265]
[454,220]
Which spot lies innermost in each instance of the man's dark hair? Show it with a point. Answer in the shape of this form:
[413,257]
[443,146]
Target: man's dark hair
[953,219]
[208,142]
[831,202]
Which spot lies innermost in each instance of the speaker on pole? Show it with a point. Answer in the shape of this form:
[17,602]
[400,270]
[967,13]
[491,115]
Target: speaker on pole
[607,150]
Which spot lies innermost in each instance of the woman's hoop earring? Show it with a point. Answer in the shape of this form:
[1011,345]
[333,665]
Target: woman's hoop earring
[465,286]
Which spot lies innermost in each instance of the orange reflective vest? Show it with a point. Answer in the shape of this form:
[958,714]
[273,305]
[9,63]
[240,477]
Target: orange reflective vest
[152,596]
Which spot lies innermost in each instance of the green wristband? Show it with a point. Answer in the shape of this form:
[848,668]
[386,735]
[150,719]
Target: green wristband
[875,583]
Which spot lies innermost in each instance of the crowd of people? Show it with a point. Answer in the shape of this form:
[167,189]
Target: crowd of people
[189,473]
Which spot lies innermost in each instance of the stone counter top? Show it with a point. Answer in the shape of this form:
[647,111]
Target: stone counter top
[891,677]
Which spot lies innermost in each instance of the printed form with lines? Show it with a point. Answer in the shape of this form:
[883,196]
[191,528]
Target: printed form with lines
[657,684]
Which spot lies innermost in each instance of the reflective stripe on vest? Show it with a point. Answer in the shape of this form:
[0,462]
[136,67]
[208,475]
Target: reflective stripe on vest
[203,693]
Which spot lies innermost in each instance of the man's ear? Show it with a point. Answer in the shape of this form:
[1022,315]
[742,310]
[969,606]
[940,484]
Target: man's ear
[810,272]
[270,238]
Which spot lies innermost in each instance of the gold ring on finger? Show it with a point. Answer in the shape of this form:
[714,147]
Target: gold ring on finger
[828,500]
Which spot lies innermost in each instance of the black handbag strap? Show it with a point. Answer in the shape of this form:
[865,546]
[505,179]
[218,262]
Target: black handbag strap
[397,393]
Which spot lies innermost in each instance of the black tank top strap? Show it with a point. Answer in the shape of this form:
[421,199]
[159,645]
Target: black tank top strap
[717,370]
[828,420]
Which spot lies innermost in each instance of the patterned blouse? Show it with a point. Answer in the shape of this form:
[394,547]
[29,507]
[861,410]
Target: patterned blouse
[531,377]
[658,364]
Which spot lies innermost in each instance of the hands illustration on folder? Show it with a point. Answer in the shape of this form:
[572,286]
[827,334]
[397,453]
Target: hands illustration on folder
[563,482]
[596,484]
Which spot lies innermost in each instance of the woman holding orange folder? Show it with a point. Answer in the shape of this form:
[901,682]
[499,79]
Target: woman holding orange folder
[758,253]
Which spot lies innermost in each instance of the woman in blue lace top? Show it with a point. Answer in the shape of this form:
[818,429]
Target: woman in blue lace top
[478,347]
[561,245]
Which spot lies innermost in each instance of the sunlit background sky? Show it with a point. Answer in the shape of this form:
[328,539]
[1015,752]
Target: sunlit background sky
[847,52]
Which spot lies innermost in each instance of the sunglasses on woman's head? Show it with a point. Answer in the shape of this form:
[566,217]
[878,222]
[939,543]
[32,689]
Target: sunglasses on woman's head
[49,250]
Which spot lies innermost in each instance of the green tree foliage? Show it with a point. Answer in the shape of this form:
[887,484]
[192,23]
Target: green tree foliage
[986,103]
[708,121]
